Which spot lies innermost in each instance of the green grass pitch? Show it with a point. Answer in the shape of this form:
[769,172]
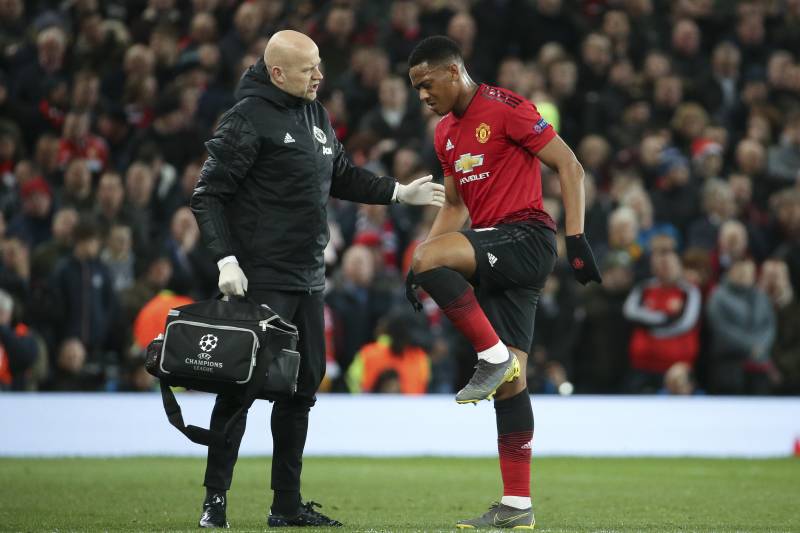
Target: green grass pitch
[412,494]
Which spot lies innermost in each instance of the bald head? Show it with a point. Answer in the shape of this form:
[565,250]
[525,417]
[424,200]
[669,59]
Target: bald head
[293,62]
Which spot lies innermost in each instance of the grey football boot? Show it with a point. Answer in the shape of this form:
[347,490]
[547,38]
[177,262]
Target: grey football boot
[487,379]
[501,516]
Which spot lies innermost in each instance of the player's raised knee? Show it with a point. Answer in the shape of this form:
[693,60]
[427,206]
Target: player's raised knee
[424,259]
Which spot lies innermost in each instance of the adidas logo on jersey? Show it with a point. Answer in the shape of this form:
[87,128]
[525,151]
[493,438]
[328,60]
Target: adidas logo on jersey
[288,139]
[448,146]
[492,259]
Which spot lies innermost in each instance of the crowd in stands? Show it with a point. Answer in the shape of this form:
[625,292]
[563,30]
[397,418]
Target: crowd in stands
[685,115]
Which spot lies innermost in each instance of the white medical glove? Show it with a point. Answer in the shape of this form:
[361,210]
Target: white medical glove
[232,281]
[421,192]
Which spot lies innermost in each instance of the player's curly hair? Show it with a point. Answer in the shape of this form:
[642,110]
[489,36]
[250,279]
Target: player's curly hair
[435,50]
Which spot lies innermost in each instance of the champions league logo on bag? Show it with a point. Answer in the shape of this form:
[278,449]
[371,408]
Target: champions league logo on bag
[208,342]
[203,363]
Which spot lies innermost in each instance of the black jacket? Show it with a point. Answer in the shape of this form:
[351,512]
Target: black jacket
[272,164]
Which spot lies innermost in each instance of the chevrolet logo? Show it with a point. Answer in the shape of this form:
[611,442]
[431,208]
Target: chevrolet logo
[467,162]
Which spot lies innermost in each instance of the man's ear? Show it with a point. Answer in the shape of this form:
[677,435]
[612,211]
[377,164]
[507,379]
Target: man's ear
[455,72]
[276,74]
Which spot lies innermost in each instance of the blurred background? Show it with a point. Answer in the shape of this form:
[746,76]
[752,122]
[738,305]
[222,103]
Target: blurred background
[685,115]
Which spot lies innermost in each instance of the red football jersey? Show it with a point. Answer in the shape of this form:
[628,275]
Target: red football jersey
[490,151]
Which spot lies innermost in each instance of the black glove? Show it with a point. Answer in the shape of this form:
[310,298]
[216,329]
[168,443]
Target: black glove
[411,292]
[582,260]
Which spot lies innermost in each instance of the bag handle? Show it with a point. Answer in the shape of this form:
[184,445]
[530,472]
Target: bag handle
[225,298]
[208,437]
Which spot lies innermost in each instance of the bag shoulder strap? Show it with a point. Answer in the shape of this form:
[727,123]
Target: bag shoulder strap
[208,437]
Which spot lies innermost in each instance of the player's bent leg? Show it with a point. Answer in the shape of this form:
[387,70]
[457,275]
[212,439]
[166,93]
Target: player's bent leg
[442,267]
[451,250]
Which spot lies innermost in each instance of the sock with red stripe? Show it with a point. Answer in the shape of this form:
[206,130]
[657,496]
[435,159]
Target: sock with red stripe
[514,444]
[455,297]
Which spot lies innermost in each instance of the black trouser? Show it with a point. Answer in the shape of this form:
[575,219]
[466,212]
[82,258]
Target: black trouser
[289,417]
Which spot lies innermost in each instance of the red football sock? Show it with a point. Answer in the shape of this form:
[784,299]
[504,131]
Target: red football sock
[454,295]
[515,462]
[467,316]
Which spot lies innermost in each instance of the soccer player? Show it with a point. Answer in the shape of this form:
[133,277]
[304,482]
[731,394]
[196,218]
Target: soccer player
[490,142]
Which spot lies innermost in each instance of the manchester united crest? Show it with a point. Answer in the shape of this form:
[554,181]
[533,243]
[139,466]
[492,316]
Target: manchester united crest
[482,132]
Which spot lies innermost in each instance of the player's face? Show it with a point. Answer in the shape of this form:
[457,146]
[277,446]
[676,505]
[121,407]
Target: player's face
[437,85]
[303,76]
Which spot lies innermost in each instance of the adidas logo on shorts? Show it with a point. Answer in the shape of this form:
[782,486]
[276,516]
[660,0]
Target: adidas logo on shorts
[288,139]
[492,259]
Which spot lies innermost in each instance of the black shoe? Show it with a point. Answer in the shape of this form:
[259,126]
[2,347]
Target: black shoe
[306,517]
[214,512]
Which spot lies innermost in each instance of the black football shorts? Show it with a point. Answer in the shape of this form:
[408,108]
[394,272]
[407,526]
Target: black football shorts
[513,261]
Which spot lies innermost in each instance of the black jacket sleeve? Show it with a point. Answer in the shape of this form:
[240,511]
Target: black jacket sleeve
[356,184]
[231,152]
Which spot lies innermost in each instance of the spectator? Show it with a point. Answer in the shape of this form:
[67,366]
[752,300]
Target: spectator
[18,350]
[32,224]
[356,304]
[393,118]
[623,229]
[707,158]
[601,362]
[71,371]
[751,160]
[193,272]
[157,12]
[48,254]
[784,160]
[109,199]
[85,295]
[718,207]
[666,311]
[33,80]
[774,281]
[171,132]
[404,32]
[720,91]
[637,199]
[675,196]
[462,28]
[77,190]
[553,345]
[667,95]
[139,184]
[245,31]
[687,57]
[555,24]
[742,328]
[154,275]
[596,61]
[398,348]
[117,255]
[77,142]
[15,270]
[786,233]
[732,246]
